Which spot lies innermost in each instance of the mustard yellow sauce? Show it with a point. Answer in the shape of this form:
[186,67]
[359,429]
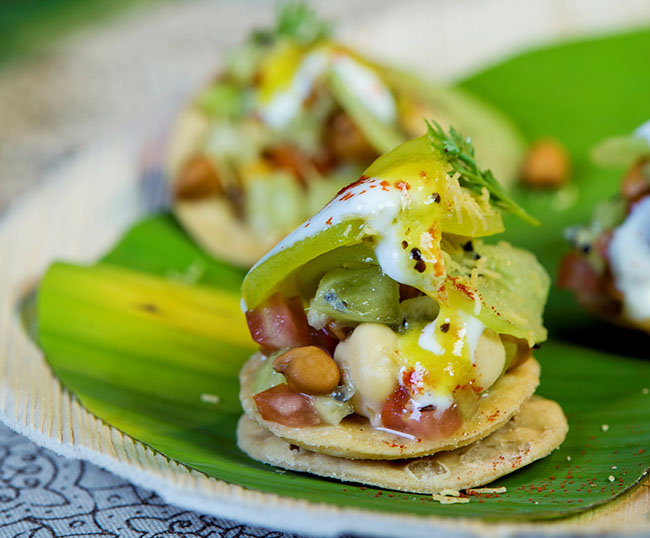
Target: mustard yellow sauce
[447,363]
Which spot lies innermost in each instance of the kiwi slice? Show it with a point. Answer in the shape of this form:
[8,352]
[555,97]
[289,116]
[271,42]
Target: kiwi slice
[358,295]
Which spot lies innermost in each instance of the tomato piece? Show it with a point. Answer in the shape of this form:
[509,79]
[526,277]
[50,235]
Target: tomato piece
[279,323]
[578,275]
[345,141]
[290,158]
[428,423]
[636,184]
[323,339]
[597,293]
[339,330]
[408,292]
[282,405]
[601,244]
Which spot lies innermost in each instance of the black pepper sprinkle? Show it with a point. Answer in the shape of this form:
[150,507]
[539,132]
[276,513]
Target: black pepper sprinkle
[444,327]
[435,197]
[477,256]
[404,244]
[586,249]
[420,266]
[468,247]
[537,346]
[416,254]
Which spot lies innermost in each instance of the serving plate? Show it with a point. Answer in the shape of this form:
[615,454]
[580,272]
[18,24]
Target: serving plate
[55,222]
[74,218]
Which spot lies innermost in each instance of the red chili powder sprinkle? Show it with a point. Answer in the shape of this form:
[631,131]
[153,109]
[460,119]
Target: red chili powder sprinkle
[351,185]
[403,185]
[329,221]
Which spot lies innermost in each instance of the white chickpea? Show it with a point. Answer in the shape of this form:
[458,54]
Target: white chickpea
[368,356]
[489,358]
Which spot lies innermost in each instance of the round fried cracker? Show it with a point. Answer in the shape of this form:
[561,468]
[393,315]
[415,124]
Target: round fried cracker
[354,437]
[213,225]
[538,428]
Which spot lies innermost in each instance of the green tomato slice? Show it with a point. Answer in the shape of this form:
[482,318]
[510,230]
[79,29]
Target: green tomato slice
[351,257]
[460,213]
[507,292]
[272,272]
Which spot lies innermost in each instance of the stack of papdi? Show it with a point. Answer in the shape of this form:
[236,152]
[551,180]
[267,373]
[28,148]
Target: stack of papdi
[395,344]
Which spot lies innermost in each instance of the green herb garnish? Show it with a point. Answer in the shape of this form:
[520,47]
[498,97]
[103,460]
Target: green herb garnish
[296,21]
[459,153]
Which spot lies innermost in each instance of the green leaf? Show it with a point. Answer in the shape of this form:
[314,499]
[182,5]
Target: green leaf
[296,21]
[596,372]
[458,151]
[107,336]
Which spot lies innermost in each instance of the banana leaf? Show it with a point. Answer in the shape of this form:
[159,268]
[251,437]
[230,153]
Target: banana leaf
[159,380]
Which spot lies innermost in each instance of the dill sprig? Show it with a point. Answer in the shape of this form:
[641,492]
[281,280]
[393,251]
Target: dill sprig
[297,21]
[458,151]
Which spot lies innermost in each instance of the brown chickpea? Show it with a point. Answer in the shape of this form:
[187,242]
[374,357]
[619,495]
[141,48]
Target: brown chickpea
[546,165]
[197,179]
[309,370]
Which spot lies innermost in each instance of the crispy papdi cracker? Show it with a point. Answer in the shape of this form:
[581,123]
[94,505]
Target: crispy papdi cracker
[186,137]
[355,438]
[538,428]
[214,225]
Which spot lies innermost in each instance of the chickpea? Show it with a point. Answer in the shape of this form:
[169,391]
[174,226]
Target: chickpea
[197,179]
[489,358]
[308,370]
[368,356]
[546,165]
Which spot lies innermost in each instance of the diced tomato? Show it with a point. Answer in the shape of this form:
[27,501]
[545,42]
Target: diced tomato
[282,405]
[324,339]
[427,423]
[339,330]
[279,323]
[636,184]
[408,292]
[290,158]
[601,244]
[577,274]
[345,140]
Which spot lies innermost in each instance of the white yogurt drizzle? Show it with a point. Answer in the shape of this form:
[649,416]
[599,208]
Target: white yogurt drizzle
[372,199]
[643,131]
[359,80]
[629,254]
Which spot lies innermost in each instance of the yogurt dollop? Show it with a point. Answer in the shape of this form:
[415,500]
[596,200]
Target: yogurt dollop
[629,254]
